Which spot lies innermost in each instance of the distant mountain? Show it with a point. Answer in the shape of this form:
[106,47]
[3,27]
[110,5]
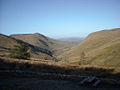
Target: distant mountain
[100,48]
[74,40]
[7,42]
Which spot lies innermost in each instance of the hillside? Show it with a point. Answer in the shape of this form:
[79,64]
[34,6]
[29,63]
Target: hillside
[39,40]
[100,48]
[7,42]
[34,39]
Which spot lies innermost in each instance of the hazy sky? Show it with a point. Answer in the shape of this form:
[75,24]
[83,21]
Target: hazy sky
[58,18]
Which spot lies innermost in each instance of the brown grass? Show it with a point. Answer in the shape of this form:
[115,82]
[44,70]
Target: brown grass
[54,67]
[101,48]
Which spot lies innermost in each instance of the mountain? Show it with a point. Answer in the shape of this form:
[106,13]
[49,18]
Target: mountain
[44,42]
[7,42]
[36,39]
[100,48]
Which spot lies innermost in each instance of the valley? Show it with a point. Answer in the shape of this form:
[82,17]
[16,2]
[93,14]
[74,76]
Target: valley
[59,45]
[96,55]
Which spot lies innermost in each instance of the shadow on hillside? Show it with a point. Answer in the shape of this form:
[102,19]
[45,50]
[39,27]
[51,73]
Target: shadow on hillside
[86,71]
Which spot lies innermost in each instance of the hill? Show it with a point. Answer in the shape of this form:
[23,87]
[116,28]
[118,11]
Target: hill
[39,40]
[7,42]
[34,39]
[99,48]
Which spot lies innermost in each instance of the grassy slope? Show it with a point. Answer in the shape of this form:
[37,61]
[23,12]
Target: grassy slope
[34,39]
[107,55]
[100,48]
[58,68]
[6,43]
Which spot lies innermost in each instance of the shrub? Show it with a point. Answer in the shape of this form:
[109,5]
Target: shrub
[20,52]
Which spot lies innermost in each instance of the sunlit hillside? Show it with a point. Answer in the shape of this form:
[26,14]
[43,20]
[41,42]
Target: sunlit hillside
[7,43]
[39,40]
[99,48]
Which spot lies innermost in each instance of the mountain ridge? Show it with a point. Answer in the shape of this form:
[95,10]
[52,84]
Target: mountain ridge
[39,40]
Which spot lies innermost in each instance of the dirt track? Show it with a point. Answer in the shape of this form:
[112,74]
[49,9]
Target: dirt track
[38,84]
[17,81]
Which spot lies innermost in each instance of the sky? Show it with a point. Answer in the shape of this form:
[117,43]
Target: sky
[58,18]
